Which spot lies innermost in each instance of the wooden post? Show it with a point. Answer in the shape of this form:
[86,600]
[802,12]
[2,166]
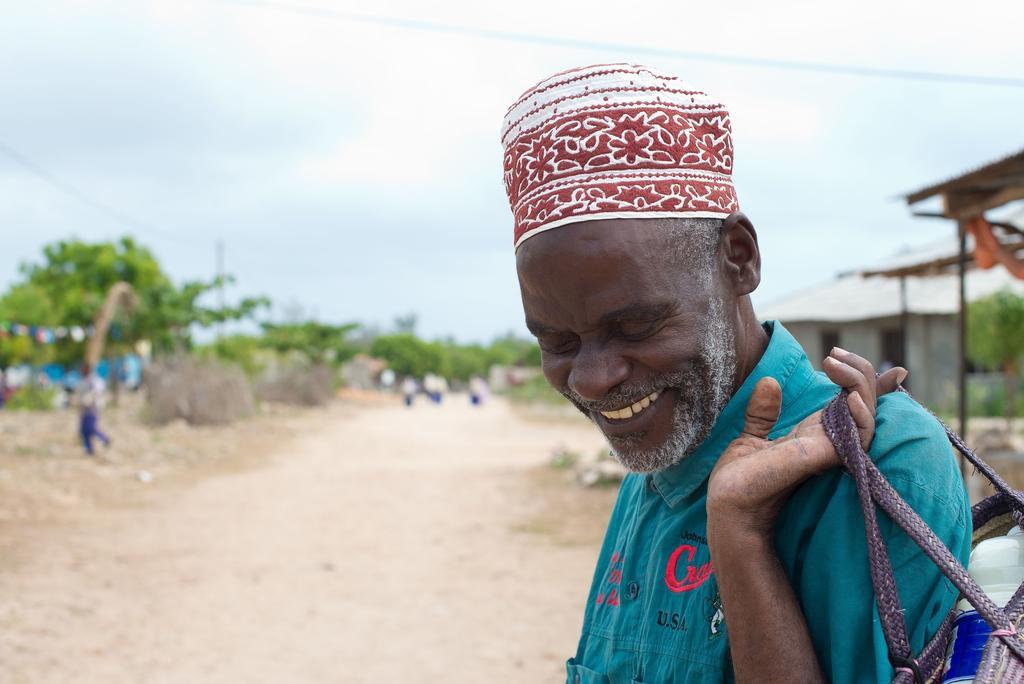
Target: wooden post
[962,262]
[904,325]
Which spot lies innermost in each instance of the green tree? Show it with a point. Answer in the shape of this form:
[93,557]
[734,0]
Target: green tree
[28,305]
[409,355]
[511,350]
[166,314]
[241,350]
[68,286]
[320,342]
[995,326]
[406,354]
[463,362]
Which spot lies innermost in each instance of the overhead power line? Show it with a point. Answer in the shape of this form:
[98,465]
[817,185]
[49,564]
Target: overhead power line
[72,191]
[554,41]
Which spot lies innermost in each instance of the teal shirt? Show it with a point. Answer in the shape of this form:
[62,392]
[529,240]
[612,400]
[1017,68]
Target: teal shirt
[654,615]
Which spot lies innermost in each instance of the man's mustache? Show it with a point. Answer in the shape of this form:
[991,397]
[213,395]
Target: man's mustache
[625,396]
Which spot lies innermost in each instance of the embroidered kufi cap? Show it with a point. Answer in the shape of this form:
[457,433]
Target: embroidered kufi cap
[615,141]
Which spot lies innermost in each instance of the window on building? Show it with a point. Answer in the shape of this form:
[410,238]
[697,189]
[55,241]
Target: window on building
[829,339]
[892,348]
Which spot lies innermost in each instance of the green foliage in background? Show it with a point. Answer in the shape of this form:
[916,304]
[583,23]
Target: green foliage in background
[995,338]
[319,342]
[28,305]
[407,354]
[986,399]
[463,362]
[32,398]
[243,351]
[68,287]
[536,391]
[563,458]
[514,351]
[166,314]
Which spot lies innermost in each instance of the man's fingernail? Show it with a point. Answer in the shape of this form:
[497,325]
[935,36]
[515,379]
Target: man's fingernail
[840,350]
[901,377]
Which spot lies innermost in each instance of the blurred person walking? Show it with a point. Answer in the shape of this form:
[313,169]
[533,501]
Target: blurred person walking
[409,389]
[478,390]
[435,386]
[90,391]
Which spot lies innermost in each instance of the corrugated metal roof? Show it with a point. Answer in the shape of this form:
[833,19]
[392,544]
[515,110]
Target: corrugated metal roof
[857,298]
[974,174]
[932,251]
[853,297]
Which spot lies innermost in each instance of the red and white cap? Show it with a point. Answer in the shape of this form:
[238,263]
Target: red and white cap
[615,141]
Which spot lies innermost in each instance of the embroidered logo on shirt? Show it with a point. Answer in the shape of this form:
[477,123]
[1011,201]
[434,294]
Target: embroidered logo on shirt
[693,576]
[610,597]
[716,617]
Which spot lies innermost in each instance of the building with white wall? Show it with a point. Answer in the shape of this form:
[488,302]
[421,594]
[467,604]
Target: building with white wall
[875,318]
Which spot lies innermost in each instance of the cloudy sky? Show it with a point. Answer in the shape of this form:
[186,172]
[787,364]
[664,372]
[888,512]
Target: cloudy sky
[351,165]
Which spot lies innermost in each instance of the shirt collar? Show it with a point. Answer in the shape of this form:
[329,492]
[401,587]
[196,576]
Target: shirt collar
[784,360]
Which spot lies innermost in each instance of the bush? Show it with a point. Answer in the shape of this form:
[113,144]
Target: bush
[513,351]
[320,343]
[244,351]
[463,362]
[33,398]
[409,355]
[986,396]
[563,458]
[199,392]
[536,390]
[298,386]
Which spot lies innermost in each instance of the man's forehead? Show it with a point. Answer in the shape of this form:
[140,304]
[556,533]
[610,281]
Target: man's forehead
[616,239]
[590,273]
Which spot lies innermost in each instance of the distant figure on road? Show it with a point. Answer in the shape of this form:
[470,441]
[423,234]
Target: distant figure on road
[409,390]
[478,390]
[435,386]
[90,401]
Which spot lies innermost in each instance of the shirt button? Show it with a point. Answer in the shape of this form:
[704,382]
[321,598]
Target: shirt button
[632,590]
[650,484]
[576,678]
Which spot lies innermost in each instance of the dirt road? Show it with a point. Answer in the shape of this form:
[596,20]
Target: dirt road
[379,545]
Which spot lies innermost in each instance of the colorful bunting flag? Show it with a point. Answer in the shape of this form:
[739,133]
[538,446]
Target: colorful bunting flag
[42,334]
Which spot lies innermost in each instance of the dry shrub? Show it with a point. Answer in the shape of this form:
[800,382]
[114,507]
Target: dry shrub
[298,386]
[199,392]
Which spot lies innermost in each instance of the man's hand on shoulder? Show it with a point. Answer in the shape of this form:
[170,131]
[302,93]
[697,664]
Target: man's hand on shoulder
[755,475]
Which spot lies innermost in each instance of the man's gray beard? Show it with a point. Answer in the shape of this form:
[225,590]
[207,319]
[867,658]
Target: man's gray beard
[703,390]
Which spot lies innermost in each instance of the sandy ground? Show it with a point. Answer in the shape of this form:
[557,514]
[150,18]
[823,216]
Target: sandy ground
[368,543]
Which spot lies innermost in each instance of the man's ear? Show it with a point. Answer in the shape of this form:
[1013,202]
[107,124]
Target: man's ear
[742,256]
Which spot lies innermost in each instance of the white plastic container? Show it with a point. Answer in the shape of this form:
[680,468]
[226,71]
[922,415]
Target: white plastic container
[997,565]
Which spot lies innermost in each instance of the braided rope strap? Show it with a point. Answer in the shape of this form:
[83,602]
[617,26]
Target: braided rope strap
[846,440]
[873,489]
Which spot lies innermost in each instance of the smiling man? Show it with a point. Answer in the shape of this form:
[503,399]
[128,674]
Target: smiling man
[736,547]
